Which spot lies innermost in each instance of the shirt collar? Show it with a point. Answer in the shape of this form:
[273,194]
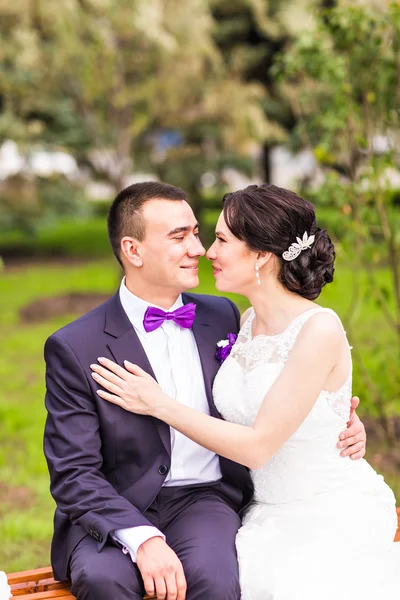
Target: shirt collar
[135,307]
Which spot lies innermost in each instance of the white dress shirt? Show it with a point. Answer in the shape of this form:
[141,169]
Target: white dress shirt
[174,358]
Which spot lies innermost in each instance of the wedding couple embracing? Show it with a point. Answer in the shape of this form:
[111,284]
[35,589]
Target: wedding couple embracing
[155,491]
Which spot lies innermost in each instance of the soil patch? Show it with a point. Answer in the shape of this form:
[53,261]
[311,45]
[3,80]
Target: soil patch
[15,498]
[47,308]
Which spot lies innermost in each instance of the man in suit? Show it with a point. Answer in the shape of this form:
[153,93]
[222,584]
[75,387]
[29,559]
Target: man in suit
[140,506]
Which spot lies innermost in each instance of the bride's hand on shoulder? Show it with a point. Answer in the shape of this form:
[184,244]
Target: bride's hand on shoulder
[131,388]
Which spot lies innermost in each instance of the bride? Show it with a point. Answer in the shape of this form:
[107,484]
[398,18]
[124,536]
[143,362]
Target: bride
[284,392]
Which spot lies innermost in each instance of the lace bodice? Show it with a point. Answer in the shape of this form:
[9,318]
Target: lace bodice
[309,462]
[252,352]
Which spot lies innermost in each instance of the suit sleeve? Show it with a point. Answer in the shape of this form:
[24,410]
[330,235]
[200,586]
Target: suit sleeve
[72,445]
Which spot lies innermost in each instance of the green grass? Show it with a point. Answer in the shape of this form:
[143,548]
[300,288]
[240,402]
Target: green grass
[25,504]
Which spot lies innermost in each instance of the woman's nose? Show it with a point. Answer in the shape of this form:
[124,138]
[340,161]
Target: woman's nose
[210,254]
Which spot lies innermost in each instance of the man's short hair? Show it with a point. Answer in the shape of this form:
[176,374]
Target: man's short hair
[125,217]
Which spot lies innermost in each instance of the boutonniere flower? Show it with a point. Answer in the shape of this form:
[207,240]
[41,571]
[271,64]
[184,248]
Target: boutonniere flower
[224,347]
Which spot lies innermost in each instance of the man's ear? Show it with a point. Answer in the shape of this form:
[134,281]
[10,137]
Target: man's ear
[131,249]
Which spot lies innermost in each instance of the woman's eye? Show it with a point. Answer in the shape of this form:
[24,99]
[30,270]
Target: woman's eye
[220,239]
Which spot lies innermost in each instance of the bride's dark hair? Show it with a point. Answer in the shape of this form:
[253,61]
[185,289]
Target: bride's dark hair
[269,219]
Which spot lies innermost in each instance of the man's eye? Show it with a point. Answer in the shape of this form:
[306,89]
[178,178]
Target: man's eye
[179,238]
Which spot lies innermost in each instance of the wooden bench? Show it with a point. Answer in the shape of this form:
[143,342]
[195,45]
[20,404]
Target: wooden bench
[39,584]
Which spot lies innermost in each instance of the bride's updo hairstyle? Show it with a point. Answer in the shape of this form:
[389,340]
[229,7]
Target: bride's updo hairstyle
[269,219]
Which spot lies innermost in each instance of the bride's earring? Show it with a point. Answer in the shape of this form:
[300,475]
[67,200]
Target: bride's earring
[258,274]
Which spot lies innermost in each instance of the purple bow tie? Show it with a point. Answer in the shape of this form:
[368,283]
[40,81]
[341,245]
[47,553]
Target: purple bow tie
[183,316]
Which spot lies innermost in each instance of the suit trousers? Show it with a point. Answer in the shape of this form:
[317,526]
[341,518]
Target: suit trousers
[200,523]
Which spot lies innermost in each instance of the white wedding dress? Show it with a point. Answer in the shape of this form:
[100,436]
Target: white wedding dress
[321,526]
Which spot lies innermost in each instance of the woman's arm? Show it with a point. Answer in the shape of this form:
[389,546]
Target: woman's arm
[284,407]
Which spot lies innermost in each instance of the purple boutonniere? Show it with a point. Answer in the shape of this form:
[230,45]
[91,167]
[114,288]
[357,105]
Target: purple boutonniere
[224,347]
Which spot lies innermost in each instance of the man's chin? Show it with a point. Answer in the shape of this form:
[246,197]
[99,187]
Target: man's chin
[191,281]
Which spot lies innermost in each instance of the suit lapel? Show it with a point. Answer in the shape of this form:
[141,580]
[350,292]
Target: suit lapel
[205,339]
[125,345]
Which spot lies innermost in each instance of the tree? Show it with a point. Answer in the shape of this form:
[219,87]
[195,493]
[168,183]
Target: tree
[251,34]
[343,83]
[100,76]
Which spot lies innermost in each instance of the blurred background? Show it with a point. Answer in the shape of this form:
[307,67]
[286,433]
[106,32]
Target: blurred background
[209,95]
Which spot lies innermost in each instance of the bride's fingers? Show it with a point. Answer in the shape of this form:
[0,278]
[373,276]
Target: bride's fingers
[111,398]
[112,366]
[135,370]
[111,387]
[108,375]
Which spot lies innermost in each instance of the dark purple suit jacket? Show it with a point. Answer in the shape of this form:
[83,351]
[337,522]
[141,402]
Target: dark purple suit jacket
[107,465]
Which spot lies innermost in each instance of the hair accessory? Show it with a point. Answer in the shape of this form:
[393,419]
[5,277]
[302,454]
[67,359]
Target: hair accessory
[295,248]
[258,274]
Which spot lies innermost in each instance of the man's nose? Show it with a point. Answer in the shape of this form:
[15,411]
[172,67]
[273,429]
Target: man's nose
[196,248]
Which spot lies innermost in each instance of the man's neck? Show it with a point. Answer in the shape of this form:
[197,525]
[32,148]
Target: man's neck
[158,297]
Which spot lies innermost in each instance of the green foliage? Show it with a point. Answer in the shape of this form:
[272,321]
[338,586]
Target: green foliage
[27,204]
[343,84]
[66,238]
[101,77]
[342,80]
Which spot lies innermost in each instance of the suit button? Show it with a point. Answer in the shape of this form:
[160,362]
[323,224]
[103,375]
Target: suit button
[163,469]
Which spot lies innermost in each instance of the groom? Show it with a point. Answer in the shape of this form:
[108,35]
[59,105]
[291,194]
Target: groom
[139,505]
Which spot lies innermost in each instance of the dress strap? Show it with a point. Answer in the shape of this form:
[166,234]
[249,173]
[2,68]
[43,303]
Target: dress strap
[245,330]
[289,336]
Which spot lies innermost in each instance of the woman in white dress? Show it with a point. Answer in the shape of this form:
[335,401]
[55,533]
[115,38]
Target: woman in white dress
[320,527]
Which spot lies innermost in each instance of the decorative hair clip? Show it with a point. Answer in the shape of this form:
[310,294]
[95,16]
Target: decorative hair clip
[295,248]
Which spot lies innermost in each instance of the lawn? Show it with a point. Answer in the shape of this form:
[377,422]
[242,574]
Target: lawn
[25,504]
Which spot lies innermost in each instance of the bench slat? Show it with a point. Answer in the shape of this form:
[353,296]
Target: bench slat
[44,585]
[34,575]
[61,593]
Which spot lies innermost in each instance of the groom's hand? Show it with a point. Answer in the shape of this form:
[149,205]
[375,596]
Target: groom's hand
[161,570]
[353,440]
